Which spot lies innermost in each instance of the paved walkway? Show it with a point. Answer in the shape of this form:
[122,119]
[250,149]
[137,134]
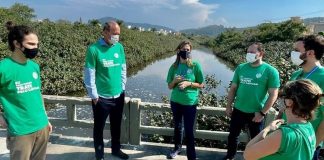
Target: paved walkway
[76,148]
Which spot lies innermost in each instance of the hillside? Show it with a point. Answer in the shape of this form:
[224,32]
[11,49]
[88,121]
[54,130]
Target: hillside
[314,20]
[211,30]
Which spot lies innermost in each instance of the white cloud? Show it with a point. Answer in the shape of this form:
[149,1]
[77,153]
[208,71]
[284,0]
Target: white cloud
[177,14]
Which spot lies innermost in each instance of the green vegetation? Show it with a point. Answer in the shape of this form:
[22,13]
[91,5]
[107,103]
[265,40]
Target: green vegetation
[277,39]
[231,46]
[63,45]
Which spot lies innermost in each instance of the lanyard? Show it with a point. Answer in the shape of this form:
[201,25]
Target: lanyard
[311,72]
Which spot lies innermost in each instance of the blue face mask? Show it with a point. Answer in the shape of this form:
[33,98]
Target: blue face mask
[184,54]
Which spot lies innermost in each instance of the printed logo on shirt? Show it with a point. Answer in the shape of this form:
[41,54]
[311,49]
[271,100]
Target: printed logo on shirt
[109,63]
[35,75]
[258,75]
[247,81]
[189,71]
[25,87]
[116,55]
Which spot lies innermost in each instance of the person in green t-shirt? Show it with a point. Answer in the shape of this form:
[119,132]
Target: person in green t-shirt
[24,113]
[255,89]
[105,80]
[308,51]
[296,138]
[185,78]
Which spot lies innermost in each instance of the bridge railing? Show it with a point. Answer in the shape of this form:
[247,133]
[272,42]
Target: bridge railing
[131,122]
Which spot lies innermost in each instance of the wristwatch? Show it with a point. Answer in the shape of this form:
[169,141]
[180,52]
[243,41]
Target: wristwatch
[262,113]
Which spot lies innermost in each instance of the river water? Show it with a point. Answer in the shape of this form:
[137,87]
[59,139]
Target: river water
[150,84]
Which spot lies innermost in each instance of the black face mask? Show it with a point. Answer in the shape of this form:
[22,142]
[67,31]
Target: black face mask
[184,54]
[30,53]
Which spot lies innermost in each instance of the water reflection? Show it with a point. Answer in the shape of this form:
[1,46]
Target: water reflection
[150,84]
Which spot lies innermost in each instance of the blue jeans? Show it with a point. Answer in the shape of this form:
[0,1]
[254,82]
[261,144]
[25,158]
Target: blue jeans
[238,121]
[188,114]
[104,107]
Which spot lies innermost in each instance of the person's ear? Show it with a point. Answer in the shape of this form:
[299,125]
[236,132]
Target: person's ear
[289,103]
[311,52]
[16,44]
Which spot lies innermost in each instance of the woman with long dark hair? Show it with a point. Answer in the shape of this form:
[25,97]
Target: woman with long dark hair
[185,78]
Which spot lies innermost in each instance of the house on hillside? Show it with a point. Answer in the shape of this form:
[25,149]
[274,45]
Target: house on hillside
[316,28]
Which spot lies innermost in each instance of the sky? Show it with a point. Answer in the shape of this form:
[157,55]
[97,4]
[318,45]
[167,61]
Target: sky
[176,14]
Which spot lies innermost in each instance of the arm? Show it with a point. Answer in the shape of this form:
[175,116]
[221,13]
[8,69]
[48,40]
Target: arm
[49,126]
[174,82]
[124,76]
[230,99]
[90,82]
[3,122]
[273,94]
[263,145]
[124,70]
[90,75]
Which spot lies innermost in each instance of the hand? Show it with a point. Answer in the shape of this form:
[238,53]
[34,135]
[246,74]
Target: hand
[95,101]
[177,79]
[257,117]
[49,127]
[184,84]
[274,125]
[229,111]
[3,122]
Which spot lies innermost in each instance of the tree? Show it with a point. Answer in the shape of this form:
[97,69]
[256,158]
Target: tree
[120,22]
[23,12]
[94,22]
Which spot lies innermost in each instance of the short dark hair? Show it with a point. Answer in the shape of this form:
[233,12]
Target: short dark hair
[17,33]
[306,96]
[259,45]
[314,42]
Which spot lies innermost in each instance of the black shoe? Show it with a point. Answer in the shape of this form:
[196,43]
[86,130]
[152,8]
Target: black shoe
[173,154]
[120,154]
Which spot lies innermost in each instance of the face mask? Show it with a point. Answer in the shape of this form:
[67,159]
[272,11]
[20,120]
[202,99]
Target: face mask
[114,39]
[294,56]
[30,53]
[251,57]
[184,54]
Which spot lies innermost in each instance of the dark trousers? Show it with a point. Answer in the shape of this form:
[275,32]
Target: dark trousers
[238,121]
[104,107]
[188,113]
[316,153]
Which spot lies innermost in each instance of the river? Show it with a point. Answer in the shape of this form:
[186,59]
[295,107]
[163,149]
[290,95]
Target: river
[150,85]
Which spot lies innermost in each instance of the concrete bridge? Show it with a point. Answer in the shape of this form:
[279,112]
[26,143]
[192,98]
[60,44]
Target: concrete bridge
[70,139]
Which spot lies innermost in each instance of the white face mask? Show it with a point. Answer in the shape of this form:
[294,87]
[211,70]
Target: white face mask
[294,56]
[251,57]
[114,39]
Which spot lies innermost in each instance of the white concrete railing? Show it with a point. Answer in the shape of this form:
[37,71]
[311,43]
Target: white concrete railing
[131,122]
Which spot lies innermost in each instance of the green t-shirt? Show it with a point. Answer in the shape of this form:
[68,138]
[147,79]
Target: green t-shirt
[107,60]
[318,77]
[253,84]
[20,95]
[188,96]
[297,143]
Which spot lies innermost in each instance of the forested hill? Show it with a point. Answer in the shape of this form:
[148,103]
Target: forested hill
[63,46]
